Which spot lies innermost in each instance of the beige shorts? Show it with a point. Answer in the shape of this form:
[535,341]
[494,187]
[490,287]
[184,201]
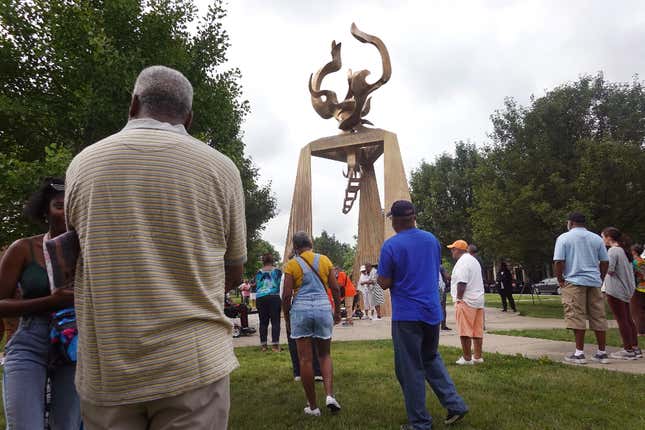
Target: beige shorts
[581,304]
[470,321]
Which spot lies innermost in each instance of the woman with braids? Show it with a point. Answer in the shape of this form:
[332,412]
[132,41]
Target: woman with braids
[26,368]
[619,288]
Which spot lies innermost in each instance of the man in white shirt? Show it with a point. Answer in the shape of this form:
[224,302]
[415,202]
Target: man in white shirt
[468,297]
[364,289]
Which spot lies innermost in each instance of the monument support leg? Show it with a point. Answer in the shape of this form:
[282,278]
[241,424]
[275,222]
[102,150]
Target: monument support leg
[370,222]
[300,218]
[396,188]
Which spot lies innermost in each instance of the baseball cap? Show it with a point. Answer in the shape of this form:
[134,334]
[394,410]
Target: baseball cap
[401,208]
[577,217]
[459,244]
[363,268]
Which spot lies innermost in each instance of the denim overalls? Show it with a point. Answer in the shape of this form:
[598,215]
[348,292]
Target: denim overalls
[311,314]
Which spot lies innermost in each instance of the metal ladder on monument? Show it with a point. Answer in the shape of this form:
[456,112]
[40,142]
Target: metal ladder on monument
[351,192]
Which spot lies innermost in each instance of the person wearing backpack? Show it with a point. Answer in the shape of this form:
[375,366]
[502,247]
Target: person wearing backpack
[268,302]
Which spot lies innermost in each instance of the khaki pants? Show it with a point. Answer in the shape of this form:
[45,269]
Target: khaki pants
[204,408]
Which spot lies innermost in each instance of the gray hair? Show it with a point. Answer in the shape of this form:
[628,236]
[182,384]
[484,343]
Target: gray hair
[302,240]
[163,90]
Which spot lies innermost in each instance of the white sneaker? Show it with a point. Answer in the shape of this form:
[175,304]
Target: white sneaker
[318,378]
[312,412]
[623,355]
[478,360]
[332,404]
[378,318]
[296,378]
[462,361]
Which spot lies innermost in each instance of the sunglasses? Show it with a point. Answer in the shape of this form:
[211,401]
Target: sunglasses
[57,187]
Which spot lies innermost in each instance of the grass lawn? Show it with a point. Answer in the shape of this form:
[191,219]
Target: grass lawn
[544,306]
[613,336]
[506,392]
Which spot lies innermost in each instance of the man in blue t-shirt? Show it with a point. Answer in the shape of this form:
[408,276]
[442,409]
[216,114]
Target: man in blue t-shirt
[409,267]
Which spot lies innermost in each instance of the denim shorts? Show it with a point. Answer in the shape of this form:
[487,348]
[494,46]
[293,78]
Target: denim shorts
[311,320]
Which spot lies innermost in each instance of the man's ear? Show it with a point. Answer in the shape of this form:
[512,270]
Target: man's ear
[135,107]
[189,121]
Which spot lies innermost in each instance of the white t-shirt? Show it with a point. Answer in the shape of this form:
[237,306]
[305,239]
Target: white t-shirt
[469,271]
[363,278]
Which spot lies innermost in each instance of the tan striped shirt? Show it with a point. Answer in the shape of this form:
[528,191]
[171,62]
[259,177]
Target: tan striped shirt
[158,214]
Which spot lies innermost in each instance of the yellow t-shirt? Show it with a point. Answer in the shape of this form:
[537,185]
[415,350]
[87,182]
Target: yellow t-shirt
[292,268]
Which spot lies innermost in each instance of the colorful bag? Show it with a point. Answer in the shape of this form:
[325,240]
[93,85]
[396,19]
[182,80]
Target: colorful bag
[63,337]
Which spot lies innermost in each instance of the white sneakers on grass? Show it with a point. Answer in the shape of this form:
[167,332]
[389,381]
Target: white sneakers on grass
[312,412]
[462,361]
[332,405]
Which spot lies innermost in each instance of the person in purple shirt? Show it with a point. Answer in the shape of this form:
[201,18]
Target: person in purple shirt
[409,268]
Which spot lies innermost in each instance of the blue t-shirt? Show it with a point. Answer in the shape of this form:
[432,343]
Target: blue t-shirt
[581,251]
[412,259]
[267,283]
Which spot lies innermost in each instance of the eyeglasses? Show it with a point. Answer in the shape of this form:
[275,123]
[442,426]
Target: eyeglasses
[57,187]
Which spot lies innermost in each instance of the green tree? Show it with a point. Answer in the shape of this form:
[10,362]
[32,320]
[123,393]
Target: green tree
[338,252]
[17,179]
[579,147]
[67,68]
[442,192]
[256,250]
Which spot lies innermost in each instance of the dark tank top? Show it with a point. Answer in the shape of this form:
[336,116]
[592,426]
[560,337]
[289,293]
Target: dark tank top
[34,281]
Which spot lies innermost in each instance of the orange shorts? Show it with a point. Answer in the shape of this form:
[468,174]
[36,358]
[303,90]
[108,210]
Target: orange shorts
[470,321]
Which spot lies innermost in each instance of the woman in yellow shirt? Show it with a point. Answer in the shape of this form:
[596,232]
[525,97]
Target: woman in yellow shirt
[309,315]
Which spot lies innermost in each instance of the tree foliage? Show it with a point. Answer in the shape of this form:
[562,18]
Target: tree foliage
[578,147]
[340,253]
[256,250]
[67,68]
[442,192]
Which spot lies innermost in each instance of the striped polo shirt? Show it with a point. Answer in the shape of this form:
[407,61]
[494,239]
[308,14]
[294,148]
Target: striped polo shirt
[159,214]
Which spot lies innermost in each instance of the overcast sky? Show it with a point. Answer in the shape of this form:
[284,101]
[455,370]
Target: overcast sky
[453,64]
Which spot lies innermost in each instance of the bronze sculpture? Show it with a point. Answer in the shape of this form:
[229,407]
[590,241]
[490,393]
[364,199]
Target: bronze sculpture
[357,146]
[349,112]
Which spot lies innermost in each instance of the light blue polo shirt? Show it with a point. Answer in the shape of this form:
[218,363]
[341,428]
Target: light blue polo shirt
[581,251]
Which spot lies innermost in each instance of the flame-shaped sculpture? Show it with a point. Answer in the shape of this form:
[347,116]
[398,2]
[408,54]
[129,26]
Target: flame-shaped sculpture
[349,112]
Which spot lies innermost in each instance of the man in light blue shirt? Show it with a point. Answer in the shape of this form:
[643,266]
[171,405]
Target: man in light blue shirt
[580,263]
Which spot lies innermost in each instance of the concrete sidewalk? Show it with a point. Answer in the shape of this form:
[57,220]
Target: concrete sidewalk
[495,320]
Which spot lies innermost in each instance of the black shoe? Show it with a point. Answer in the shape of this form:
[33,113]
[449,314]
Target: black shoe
[446,328]
[453,417]
[248,330]
[503,310]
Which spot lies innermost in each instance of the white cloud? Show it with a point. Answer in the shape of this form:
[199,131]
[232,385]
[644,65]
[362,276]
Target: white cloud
[453,63]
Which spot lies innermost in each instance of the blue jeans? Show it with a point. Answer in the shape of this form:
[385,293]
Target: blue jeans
[417,360]
[25,379]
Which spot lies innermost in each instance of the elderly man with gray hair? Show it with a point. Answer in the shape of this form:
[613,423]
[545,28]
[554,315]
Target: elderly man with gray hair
[160,219]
